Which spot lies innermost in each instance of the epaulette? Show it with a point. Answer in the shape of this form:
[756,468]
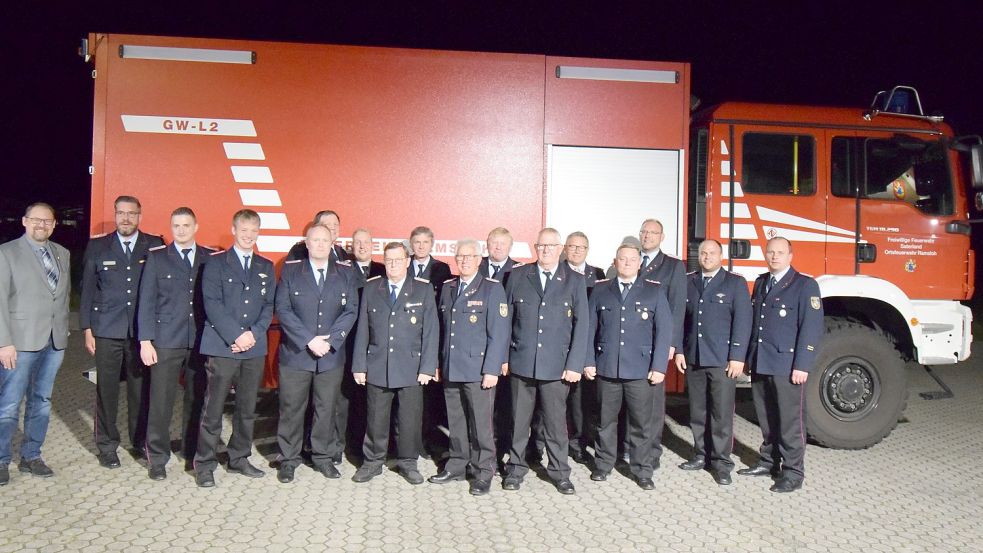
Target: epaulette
[602,280]
[346,263]
[100,235]
[292,261]
[650,281]
[492,279]
[450,279]
[376,277]
[155,248]
[691,273]
[218,252]
[418,279]
[517,264]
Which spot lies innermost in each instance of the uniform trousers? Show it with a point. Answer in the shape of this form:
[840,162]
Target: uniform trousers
[779,404]
[298,389]
[469,415]
[223,373]
[637,397]
[409,418]
[582,415]
[164,378]
[551,395]
[116,357]
[711,406]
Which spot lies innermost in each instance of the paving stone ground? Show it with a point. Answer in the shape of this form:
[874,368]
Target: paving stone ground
[918,490]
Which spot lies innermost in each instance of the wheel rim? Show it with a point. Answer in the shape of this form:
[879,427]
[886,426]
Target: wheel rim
[850,388]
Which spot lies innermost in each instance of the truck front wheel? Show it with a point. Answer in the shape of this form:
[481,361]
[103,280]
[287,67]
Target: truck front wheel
[858,388]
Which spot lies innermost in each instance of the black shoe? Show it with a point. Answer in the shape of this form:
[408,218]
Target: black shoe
[205,479]
[565,486]
[645,483]
[157,472]
[443,477]
[246,468]
[721,477]
[366,473]
[412,476]
[285,474]
[337,459]
[786,485]
[109,460]
[36,467]
[479,487]
[580,456]
[696,463]
[599,475]
[511,483]
[328,471]
[756,470]
[4,475]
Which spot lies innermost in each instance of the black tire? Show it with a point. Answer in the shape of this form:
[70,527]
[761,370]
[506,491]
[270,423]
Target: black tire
[857,389]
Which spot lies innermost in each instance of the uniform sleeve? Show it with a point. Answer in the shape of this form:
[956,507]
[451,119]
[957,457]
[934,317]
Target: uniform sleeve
[6,275]
[290,322]
[262,323]
[662,333]
[810,326]
[431,336]
[90,277]
[343,324]
[498,328]
[211,292]
[676,294]
[590,354]
[740,322]
[361,335]
[147,300]
[581,326]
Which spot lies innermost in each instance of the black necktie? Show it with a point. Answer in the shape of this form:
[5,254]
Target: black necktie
[706,281]
[771,283]
[495,270]
[392,294]
[320,279]
[126,249]
[187,259]
[245,264]
[548,276]
[419,271]
[625,286]
[460,291]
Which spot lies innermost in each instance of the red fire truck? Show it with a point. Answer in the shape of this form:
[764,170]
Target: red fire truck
[874,200]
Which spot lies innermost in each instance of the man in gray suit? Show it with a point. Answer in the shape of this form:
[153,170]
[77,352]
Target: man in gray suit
[34,289]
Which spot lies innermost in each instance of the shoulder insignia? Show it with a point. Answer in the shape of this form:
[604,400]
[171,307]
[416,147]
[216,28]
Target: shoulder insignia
[602,280]
[218,252]
[155,248]
[815,302]
[292,261]
[489,279]
[418,279]
[376,277]
[450,279]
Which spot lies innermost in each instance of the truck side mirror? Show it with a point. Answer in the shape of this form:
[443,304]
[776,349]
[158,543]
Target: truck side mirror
[976,165]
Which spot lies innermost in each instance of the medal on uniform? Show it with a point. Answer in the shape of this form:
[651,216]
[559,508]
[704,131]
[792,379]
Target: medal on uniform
[645,315]
[782,312]
[569,312]
[413,319]
[262,291]
[473,318]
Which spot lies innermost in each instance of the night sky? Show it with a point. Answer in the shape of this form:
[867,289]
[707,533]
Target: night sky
[827,53]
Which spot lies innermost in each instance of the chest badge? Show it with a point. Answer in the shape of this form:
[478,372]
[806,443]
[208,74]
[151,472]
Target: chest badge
[569,312]
[503,309]
[344,300]
[413,319]
[473,318]
[645,315]
[782,313]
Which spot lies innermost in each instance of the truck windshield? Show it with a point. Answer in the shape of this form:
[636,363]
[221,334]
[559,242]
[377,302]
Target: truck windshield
[899,169]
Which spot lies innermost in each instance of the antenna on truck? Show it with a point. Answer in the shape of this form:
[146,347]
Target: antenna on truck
[901,101]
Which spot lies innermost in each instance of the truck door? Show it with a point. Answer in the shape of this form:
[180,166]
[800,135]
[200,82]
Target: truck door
[903,186]
[779,194]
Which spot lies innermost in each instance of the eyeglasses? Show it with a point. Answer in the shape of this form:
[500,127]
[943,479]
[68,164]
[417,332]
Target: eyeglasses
[547,246]
[466,257]
[127,214]
[575,248]
[393,262]
[650,232]
[45,222]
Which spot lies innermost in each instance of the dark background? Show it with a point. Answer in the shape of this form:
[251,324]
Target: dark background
[825,53]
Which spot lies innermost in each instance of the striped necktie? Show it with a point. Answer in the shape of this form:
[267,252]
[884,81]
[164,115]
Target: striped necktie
[49,269]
